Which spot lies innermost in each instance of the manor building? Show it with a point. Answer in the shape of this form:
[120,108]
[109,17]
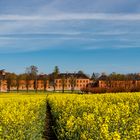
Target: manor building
[71,81]
[118,83]
[63,81]
[127,83]
[3,82]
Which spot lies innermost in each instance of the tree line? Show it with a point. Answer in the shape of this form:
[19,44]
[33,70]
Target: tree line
[115,76]
[31,73]
[114,83]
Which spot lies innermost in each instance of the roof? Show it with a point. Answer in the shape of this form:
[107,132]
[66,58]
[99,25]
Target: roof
[103,77]
[118,78]
[40,76]
[76,75]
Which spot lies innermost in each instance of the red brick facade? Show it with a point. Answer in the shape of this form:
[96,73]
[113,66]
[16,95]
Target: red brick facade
[122,84]
[23,85]
[80,82]
[3,83]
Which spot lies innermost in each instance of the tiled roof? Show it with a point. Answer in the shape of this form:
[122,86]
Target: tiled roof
[76,75]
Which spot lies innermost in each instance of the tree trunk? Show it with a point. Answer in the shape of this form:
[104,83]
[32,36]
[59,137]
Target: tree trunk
[27,88]
[45,85]
[54,88]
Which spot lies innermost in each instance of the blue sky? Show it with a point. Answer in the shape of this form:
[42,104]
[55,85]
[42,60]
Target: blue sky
[88,35]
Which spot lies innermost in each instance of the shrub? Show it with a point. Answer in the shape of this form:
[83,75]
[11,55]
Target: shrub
[96,90]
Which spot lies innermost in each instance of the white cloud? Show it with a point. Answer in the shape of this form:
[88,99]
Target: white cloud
[127,46]
[76,16]
[88,48]
[54,31]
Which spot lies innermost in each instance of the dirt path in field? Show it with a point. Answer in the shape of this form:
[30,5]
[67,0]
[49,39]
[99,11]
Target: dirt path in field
[49,133]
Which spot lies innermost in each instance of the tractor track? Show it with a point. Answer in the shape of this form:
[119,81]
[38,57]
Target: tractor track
[49,132]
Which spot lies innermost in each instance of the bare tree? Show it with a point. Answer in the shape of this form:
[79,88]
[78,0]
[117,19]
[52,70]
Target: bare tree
[11,78]
[27,82]
[31,72]
[63,82]
[2,78]
[18,82]
[73,82]
[54,76]
[44,78]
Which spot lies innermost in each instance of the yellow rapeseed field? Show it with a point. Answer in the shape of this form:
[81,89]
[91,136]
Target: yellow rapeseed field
[97,117]
[22,117]
[77,117]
